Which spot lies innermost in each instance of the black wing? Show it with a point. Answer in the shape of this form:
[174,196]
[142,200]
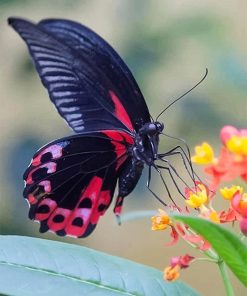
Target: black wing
[87,81]
[70,182]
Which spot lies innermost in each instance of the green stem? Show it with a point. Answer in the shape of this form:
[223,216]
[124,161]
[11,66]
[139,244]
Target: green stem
[205,259]
[225,276]
[211,254]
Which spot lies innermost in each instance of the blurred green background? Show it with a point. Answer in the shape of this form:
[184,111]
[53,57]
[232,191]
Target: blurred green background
[167,45]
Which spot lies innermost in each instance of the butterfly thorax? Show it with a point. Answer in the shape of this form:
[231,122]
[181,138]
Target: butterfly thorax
[144,151]
[146,142]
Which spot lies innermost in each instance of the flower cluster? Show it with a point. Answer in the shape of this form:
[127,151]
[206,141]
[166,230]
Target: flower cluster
[238,205]
[232,161]
[171,273]
[230,164]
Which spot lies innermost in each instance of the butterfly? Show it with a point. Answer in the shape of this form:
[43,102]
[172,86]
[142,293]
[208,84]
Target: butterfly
[70,182]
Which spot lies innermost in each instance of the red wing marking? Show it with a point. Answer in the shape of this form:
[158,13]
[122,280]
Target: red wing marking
[55,150]
[119,137]
[46,207]
[32,199]
[79,218]
[103,203]
[78,222]
[118,206]
[120,111]
[34,196]
[120,140]
[85,209]
[92,204]
[51,168]
[58,220]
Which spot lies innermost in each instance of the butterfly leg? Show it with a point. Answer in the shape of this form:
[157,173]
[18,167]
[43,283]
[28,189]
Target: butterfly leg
[173,179]
[185,158]
[186,153]
[171,169]
[178,150]
[164,182]
[148,187]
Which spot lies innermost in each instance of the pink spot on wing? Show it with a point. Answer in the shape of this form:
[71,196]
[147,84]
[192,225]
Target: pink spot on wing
[120,111]
[55,150]
[51,166]
[47,185]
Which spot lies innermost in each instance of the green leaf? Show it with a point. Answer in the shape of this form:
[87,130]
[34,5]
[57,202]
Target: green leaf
[227,245]
[31,266]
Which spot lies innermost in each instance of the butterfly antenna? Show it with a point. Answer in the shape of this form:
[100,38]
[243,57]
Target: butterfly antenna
[151,117]
[179,98]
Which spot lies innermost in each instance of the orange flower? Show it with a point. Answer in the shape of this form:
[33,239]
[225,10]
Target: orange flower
[238,211]
[227,168]
[172,273]
[161,221]
[239,203]
[232,161]
[227,216]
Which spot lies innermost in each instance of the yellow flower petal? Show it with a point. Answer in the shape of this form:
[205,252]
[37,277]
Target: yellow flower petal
[214,217]
[199,198]
[244,145]
[228,192]
[237,144]
[204,154]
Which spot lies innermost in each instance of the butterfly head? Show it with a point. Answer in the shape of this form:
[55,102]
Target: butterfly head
[152,128]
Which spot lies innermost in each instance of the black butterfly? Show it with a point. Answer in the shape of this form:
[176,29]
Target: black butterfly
[70,182]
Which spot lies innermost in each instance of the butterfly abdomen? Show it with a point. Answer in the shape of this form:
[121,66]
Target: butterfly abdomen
[129,177]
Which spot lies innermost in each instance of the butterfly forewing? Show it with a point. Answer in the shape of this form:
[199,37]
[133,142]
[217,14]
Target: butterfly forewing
[70,182]
[103,59]
[86,79]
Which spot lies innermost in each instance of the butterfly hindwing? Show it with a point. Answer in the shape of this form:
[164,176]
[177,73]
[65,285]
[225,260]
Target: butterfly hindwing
[86,79]
[70,182]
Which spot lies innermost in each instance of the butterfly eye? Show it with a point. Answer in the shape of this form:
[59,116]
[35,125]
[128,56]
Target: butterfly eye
[159,126]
